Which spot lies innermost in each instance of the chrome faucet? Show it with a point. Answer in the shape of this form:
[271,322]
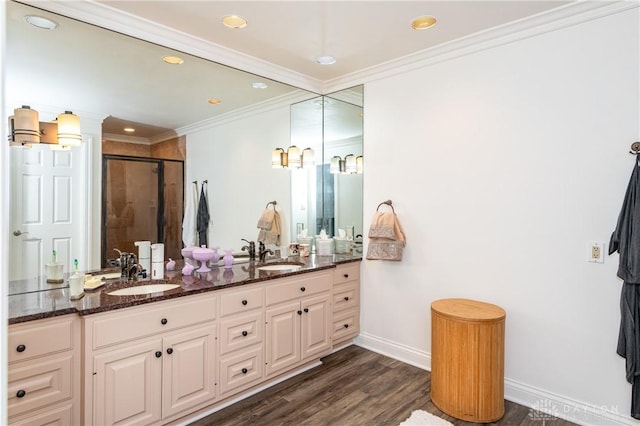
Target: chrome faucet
[263,251]
[129,266]
[250,248]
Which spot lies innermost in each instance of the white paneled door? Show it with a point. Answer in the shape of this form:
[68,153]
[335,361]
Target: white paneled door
[47,204]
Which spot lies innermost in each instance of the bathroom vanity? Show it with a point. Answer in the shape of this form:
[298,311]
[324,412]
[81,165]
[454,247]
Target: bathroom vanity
[161,357]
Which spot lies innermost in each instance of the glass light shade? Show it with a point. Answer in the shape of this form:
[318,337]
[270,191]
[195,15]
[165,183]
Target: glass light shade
[69,129]
[24,126]
[308,158]
[276,158]
[350,162]
[294,157]
[359,164]
[334,165]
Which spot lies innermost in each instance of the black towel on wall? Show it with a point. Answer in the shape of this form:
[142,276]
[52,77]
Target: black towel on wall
[202,218]
[626,241]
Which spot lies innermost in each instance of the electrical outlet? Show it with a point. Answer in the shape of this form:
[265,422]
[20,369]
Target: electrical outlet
[595,252]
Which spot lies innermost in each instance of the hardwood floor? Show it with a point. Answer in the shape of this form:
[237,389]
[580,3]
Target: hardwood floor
[354,386]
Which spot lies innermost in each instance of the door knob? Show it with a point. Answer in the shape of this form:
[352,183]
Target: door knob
[18,232]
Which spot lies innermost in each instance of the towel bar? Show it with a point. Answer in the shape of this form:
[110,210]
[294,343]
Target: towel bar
[388,203]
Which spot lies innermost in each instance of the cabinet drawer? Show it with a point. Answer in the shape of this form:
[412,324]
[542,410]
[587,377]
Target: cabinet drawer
[295,287]
[130,324]
[238,371]
[346,324]
[37,338]
[346,272]
[241,331]
[240,301]
[58,415]
[35,384]
[346,296]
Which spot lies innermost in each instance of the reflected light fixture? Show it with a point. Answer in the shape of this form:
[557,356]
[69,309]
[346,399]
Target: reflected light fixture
[25,129]
[173,60]
[41,22]
[292,158]
[350,165]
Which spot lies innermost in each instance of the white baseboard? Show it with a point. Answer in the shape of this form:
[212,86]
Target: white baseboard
[543,403]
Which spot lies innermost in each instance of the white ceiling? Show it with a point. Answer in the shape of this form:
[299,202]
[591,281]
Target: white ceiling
[82,65]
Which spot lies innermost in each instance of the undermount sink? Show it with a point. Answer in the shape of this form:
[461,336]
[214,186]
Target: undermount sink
[290,267]
[143,289]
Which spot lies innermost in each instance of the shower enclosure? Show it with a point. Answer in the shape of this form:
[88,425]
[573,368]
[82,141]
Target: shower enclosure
[142,200]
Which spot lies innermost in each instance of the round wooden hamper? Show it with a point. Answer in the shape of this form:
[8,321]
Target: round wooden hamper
[467,359]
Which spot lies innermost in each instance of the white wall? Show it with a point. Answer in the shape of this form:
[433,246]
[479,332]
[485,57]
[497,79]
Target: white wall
[239,190]
[502,165]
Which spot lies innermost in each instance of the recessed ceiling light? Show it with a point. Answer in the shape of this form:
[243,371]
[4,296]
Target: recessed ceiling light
[423,22]
[173,60]
[326,60]
[129,129]
[41,22]
[215,101]
[259,85]
[234,21]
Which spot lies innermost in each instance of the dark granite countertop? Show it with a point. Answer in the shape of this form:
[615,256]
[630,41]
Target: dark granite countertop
[35,299]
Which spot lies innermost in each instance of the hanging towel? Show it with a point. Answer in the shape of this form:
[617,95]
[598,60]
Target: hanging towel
[272,234]
[386,239]
[202,220]
[626,241]
[266,219]
[189,220]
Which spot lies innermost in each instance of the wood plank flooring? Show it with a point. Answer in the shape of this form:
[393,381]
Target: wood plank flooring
[353,387]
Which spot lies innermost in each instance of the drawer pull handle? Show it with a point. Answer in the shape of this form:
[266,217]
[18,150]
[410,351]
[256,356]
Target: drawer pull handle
[306,310]
[21,348]
[299,312]
[244,302]
[158,354]
[346,326]
[169,351]
[302,289]
[245,371]
[21,393]
[346,298]
[244,333]
[163,321]
[346,275]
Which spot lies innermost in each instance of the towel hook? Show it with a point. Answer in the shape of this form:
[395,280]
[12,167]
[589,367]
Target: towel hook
[635,148]
[273,203]
[388,203]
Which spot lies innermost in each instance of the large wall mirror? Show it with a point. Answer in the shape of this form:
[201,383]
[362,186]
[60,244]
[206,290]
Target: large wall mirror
[329,197]
[110,79]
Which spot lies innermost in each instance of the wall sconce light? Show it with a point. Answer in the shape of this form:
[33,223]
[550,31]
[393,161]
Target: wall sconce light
[292,158]
[25,129]
[350,165]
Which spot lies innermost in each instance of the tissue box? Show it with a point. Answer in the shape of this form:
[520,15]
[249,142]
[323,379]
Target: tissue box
[324,247]
[343,245]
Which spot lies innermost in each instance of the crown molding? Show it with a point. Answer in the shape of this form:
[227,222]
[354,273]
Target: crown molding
[565,16]
[283,101]
[110,18]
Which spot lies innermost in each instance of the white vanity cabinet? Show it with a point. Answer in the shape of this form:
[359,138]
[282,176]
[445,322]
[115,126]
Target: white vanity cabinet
[151,363]
[298,320]
[346,302]
[241,338]
[44,371]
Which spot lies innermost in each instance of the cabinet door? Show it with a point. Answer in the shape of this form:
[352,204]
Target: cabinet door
[189,369]
[283,336]
[128,385]
[316,325]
